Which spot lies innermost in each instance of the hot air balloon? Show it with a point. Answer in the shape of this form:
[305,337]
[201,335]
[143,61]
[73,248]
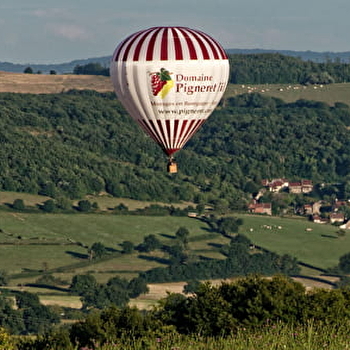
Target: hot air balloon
[169,79]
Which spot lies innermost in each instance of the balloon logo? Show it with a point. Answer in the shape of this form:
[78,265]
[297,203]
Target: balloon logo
[161,83]
[169,79]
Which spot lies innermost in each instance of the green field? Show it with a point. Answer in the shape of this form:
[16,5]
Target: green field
[292,92]
[31,241]
[34,241]
[320,247]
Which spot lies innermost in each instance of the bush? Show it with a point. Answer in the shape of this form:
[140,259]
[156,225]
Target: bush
[18,204]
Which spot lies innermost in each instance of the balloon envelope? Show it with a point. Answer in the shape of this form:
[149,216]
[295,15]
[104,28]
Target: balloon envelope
[169,79]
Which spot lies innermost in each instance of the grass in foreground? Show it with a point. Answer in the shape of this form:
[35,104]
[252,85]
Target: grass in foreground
[268,337]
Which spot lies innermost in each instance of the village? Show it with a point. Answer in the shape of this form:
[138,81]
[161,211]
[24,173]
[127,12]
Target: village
[319,211]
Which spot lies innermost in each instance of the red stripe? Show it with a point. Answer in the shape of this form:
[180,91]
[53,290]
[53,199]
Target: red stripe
[164,46]
[183,126]
[130,42]
[177,44]
[139,45]
[150,49]
[182,36]
[165,138]
[168,130]
[118,50]
[170,151]
[184,138]
[190,45]
[176,125]
[199,39]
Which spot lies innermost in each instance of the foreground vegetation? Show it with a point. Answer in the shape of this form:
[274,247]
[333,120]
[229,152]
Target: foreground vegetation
[312,336]
[250,313]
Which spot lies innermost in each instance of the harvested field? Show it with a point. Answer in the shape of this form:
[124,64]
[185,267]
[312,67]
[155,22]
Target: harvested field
[49,84]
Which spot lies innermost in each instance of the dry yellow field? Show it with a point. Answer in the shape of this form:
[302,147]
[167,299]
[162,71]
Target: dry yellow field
[48,84]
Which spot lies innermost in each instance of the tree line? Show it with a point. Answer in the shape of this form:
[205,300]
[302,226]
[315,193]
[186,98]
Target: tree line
[275,68]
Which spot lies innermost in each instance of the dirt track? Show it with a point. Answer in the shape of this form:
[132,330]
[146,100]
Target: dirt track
[48,84]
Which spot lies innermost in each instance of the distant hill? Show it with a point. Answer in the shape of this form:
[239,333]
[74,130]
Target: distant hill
[64,68]
[304,55]
[61,68]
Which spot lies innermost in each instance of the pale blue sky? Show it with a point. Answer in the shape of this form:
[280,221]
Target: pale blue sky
[47,31]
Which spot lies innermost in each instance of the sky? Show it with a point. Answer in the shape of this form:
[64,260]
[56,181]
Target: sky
[50,32]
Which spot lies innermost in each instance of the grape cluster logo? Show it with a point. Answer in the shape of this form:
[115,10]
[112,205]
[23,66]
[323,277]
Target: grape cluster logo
[161,83]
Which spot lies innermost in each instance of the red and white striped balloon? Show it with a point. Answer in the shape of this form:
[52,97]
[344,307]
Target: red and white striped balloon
[169,79]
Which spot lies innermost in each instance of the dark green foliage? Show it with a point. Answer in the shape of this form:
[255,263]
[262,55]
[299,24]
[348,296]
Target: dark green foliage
[191,287]
[54,339]
[127,247]
[110,326]
[82,142]
[182,236]
[28,70]
[344,263]
[117,291]
[26,300]
[177,254]
[91,69]
[276,68]
[18,204]
[245,304]
[136,287]
[239,261]
[241,239]
[121,209]
[37,318]
[328,307]
[48,206]
[82,283]
[118,282]
[258,135]
[102,296]
[9,317]
[344,282]
[84,206]
[79,143]
[228,225]
[150,243]
[3,278]
[97,250]
[248,302]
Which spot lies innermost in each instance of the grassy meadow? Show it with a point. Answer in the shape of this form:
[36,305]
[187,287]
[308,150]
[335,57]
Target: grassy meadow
[315,244]
[34,243]
[24,235]
[292,92]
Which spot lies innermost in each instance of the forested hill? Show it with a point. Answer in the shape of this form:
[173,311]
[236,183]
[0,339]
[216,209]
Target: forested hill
[314,56]
[74,143]
[269,68]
